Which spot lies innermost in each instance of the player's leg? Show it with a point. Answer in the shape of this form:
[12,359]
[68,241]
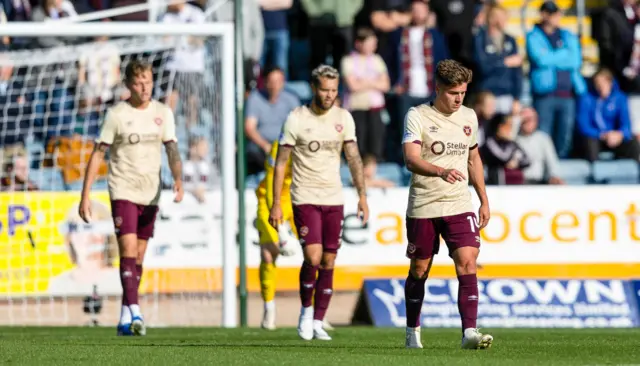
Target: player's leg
[308,220]
[125,218]
[332,220]
[144,231]
[423,237]
[461,234]
[268,255]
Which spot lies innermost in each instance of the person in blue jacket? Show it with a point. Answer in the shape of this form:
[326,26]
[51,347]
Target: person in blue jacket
[555,61]
[498,64]
[603,120]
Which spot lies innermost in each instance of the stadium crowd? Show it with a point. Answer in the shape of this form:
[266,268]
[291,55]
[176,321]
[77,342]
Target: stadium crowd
[386,50]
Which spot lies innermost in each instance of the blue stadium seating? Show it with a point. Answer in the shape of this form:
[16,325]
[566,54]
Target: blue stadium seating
[575,171]
[253,181]
[49,179]
[616,172]
[345,175]
[406,176]
[390,171]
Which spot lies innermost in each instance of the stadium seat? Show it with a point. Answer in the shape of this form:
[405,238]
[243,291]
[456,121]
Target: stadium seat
[575,171]
[606,155]
[390,171]
[616,172]
[345,175]
[48,179]
[406,176]
[301,89]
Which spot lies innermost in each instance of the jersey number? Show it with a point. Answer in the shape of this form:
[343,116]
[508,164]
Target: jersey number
[473,223]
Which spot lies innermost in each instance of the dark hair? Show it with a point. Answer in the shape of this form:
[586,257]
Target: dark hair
[364,33]
[452,73]
[135,68]
[271,69]
[497,121]
[604,72]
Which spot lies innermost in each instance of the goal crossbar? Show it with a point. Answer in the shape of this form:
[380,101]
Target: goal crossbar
[225,30]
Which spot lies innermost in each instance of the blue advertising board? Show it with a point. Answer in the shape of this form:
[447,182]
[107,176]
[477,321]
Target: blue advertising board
[510,303]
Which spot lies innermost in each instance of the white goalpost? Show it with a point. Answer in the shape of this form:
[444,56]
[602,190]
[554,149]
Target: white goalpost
[53,100]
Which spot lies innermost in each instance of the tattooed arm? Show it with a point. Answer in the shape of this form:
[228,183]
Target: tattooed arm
[282,159]
[356,168]
[175,163]
[354,161]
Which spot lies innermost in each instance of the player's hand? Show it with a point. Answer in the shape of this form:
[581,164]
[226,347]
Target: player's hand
[452,176]
[177,189]
[363,210]
[483,215]
[84,210]
[275,216]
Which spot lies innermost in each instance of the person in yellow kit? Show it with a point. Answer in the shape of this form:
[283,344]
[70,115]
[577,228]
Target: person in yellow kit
[272,242]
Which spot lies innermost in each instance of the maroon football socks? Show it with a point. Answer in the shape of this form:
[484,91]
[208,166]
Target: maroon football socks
[468,300]
[307,283]
[128,278]
[324,290]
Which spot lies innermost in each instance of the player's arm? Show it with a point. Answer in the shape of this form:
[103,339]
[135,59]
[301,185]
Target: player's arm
[91,172]
[354,161]
[282,159]
[173,154]
[412,151]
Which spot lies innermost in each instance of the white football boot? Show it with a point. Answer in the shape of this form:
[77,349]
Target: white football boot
[412,338]
[305,324]
[319,332]
[473,339]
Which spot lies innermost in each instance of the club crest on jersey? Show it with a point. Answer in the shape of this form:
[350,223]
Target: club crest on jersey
[118,221]
[339,128]
[304,231]
[158,121]
[467,130]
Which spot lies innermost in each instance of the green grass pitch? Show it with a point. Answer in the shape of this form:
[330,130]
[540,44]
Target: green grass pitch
[350,346]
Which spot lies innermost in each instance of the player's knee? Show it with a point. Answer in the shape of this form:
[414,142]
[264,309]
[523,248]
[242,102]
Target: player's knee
[420,269]
[466,266]
[327,263]
[128,246]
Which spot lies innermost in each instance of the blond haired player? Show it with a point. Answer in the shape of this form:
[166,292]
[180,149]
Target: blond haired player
[134,131]
[314,137]
[440,148]
[272,242]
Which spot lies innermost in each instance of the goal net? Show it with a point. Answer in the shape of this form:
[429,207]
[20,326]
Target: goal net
[57,270]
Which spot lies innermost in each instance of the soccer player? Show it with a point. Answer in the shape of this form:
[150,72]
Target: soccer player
[272,243]
[134,131]
[441,150]
[315,136]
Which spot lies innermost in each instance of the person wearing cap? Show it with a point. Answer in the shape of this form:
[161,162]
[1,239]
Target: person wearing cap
[555,61]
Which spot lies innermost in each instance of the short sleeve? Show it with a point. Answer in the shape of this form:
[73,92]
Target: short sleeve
[288,135]
[412,127]
[108,130]
[474,131]
[346,66]
[251,106]
[349,127]
[169,127]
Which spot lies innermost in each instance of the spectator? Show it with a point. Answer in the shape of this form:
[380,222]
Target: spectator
[370,174]
[604,121]
[16,175]
[421,48]
[555,60]
[266,112]
[455,19]
[499,66]
[5,41]
[330,26]
[198,169]
[538,147]
[504,158]
[54,10]
[17,11]
[185,69]
[615,38]
[276,34]
[367,80]
[485,107]
[13,105]
[386,18]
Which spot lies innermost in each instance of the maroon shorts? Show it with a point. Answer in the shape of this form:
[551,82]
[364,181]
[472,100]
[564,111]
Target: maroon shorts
[457,231]
[318,224]
[131,218]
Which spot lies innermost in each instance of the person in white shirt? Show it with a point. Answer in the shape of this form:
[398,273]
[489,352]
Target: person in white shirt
[184,74]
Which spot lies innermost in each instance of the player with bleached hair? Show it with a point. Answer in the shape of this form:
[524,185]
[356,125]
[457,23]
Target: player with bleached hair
[314,137]
[441,150]
[133,132]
